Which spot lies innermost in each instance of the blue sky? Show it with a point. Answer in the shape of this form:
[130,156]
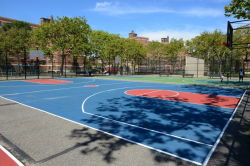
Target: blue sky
[150,18]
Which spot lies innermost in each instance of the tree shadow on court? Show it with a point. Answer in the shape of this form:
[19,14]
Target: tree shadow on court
[234,148]
[225,83]
[8,104]
[165,116]
[143,114]
[154,115]
[110,148]
[98,142]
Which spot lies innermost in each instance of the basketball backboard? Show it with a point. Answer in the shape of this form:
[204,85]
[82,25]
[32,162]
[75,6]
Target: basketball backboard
[36,54]
[238,33]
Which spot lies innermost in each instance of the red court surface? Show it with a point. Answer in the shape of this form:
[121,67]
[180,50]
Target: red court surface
[48,81]
[195,98]
[6,160]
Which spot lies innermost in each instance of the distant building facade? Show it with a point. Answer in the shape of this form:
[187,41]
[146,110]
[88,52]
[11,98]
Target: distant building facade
[165,40]
[143,40]
[46,63]
[4,20]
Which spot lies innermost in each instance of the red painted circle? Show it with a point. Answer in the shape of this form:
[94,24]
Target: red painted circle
[90,85]
[152,93]
[48,81]
[194,98]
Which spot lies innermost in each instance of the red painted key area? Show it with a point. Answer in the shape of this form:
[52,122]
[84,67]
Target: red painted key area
[194,98]
[48,81]
[5,160]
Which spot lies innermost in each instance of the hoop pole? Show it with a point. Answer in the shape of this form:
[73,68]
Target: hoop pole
[25,63]
[65,67]
[52,65]
[6,64]
[38,67]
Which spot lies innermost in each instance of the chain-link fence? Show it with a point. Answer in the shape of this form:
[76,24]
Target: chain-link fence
[22,67]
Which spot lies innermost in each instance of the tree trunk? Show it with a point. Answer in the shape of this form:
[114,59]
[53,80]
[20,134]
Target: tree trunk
[102,69]
[62,64]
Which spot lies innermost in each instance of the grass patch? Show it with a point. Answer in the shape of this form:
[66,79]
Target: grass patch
[180,80]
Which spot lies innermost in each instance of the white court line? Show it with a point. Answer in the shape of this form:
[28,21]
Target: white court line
[140,95]
[134,142]
[11,94]
[178,137]
[54,98]
[147,92]
[41,84]
[11,156]
[222,132]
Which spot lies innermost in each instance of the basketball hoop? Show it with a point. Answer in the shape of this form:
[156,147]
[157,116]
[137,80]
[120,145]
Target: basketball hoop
[224,44]
[36,55]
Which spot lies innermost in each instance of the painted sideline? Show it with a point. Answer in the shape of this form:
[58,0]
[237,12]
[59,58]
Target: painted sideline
[7,159]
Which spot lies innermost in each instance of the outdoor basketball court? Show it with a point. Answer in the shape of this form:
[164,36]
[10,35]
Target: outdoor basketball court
[184,121]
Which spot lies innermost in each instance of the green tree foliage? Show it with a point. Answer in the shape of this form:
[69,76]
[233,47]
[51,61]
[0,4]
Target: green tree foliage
[239,9]
[173,50]
[16,24]
[155,49]
[16,39]
[135,52]
[208,46]
[99,41]
[65,36]
[71,37]
[108,46]
[2,47]
[42,38]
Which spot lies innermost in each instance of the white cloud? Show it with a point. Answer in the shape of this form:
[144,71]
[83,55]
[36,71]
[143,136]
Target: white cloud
[103,4]
[204,12]
[157,35]
[118,9]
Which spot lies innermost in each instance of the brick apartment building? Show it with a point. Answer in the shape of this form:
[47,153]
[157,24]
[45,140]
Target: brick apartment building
[71,63]
[46,62]
[145,40]
[4,20]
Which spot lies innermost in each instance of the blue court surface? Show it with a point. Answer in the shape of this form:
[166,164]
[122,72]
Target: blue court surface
[181,129]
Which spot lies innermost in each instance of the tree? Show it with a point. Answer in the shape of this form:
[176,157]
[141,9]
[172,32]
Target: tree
[99,42]
[239,9]
[112,49]
[71,37]
[17,39]
[133,51]
[42,38]
[16,24]
[156,51]
[65,36]
[208,46]
[2,47]
[173,50]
